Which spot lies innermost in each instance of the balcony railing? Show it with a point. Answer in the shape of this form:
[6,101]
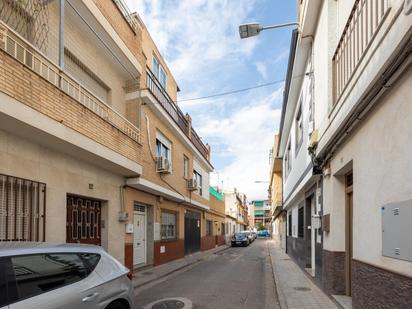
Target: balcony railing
[157,90]
[27,54]
[363,23]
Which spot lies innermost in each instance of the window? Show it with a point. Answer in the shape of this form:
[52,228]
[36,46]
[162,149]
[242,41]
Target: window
[198,177]
[300,222]
[288,160]
[185,167]
[85,76]
[156,66]
[90,259]
[168,228]
[290,224]
[159,72]
[209,228]
[162,77]
[163,147]
[222,229]
[40,273]
[162,150]
[299,128]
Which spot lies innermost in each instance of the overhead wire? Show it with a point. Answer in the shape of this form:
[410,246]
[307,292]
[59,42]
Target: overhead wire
[239,90]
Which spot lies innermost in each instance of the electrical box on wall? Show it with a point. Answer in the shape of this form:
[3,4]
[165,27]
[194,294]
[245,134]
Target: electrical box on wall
[316,222]
[326,223]
[129,228]
[397,230]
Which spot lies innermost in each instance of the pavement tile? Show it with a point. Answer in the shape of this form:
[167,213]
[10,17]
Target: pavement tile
[288,276]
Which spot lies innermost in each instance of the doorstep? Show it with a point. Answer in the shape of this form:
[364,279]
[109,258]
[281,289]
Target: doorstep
[145,275]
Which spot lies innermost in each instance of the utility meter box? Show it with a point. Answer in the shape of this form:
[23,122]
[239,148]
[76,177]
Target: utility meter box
[397,230]
[129,228]
[316,222]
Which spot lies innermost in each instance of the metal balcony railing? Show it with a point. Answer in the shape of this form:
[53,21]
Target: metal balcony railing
[363,23]
[21,50]
[157,90]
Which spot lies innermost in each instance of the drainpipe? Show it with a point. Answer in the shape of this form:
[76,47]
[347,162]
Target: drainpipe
[61,36]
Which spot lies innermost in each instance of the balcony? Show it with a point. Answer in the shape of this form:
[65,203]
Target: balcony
[363,23]
[160,94]
[32,79]
[26,54]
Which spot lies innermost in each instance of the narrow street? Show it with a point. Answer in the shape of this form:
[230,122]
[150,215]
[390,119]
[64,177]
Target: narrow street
[233,278]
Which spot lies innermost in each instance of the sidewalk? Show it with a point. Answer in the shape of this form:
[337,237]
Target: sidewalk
[295,290]
[149,274]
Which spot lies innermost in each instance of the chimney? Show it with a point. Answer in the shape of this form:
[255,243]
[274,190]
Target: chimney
[189,125]
[208,151]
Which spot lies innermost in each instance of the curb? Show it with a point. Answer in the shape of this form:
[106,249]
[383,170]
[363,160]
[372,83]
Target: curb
[202,258]
[279,292]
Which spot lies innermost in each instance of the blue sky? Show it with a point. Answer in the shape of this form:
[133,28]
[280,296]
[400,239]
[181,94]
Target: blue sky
[200,42]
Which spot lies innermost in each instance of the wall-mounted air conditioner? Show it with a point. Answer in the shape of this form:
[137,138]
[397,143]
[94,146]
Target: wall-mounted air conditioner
[192,184]
[162,165]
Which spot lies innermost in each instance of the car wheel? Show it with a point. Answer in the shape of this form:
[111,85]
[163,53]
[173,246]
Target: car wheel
[117,305]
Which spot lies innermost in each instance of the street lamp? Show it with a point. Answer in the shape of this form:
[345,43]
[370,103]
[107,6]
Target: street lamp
[248,30]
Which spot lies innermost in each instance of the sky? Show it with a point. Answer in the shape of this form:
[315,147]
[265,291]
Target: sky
[200,41]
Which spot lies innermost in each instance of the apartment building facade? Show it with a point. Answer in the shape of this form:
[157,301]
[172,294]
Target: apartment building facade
[352,63]
[261,214]
[171,196]
[278,216]
[95,149]
[66,141]
[236,212]
[214,221]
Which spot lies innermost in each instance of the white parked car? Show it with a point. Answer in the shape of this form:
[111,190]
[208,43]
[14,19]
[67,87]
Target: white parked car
[48,276]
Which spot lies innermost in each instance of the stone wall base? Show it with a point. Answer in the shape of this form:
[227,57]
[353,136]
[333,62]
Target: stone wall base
[376,288]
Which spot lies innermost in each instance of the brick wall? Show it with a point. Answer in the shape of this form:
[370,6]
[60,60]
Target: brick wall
[32,90]
[176,178]
[132,39]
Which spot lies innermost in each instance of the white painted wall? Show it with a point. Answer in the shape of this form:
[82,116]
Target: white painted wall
[381,154]
[205,179]
[300,156]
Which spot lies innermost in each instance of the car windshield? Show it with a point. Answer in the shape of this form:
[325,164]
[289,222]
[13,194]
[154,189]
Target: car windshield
[239,235]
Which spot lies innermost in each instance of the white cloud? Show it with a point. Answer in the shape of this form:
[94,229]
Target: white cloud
[246,137]
[262,69]
[194,34]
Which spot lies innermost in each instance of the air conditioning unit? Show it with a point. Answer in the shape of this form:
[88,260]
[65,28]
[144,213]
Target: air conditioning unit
[313,140]
[192,184]
[162,165]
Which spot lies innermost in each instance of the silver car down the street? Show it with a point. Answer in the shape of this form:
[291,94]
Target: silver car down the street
[49,276]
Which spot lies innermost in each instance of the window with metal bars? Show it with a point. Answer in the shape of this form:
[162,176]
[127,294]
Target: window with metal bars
[22,209]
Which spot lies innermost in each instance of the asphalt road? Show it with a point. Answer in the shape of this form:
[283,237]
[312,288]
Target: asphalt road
[233,278]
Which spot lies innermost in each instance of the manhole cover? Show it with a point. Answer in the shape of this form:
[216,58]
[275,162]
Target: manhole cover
[302,288]
[169,304]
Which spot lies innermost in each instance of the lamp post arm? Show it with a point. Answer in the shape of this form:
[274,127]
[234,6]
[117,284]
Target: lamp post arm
[279,26]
